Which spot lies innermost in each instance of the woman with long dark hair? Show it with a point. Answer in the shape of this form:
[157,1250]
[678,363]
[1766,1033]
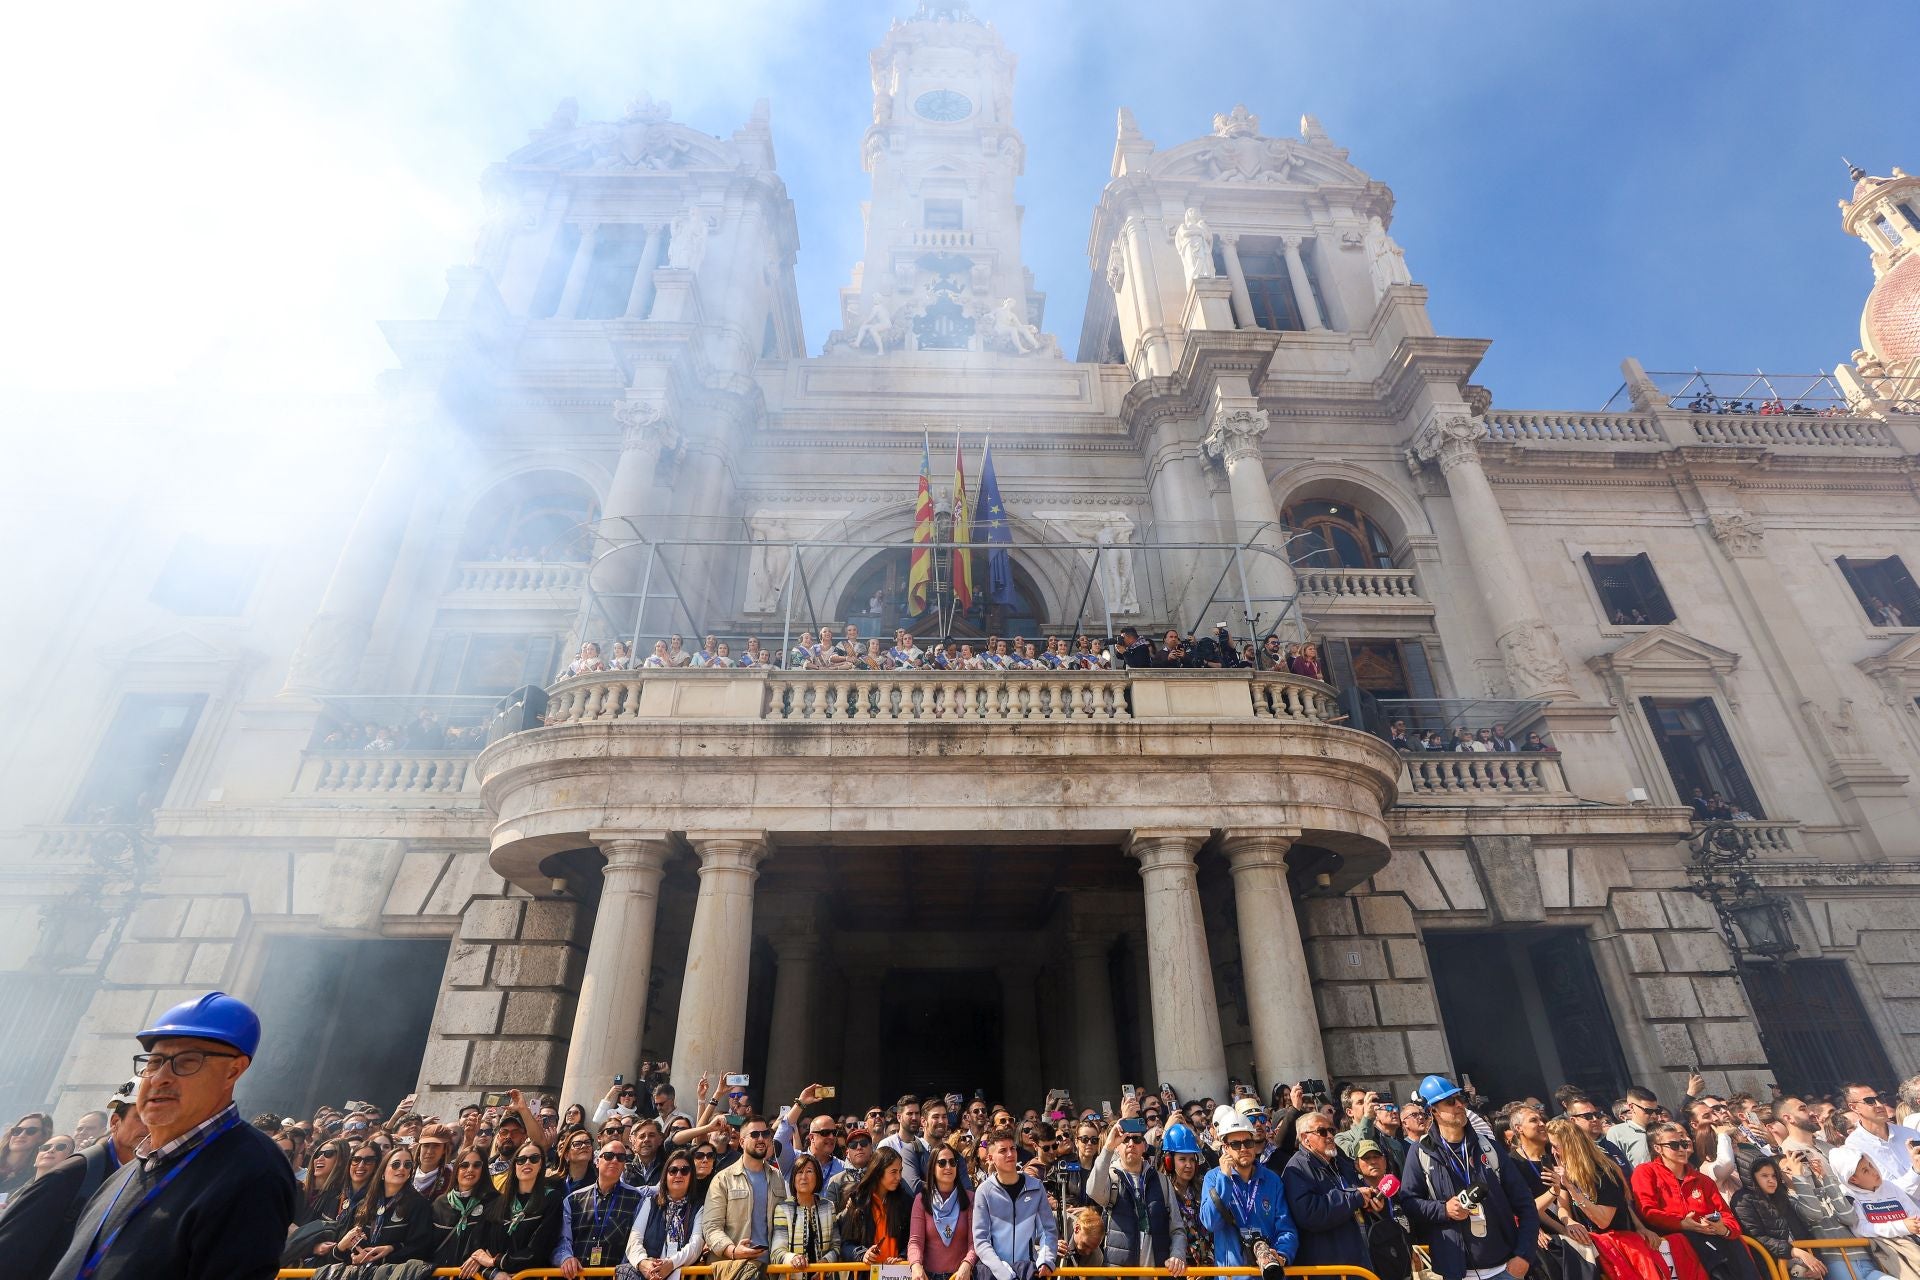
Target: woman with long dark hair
[523,1222]
[326,1179]
[1765,1209]
[705,1162]
[24,1140]
[394,1223]
[575,1152]
[1676,1198]
[341,1206]
[877,1218]
[804,1231]
[460,1214]
[940,1232]
[666,1226]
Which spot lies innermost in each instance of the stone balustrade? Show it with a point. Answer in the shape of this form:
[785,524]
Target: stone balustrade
[383,773]
[953,697]
[1357,584]
[491,576]
[1767,837]
[1482,777]
[1792,431]
[943,239]
[1526,426]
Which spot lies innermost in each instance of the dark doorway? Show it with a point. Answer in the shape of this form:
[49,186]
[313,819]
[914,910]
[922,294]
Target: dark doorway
[1816,1031]
[1524,1013]
[941,1029]
[342,1018]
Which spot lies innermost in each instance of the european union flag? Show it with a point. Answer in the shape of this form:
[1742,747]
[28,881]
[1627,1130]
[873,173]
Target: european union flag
[992,526]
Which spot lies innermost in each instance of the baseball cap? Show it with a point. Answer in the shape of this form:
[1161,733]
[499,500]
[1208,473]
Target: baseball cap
[1367,1147]
[859,1131]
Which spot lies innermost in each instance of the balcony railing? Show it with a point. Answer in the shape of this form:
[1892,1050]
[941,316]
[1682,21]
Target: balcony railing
[936,696]
[943,239]
[1792,431]
[1467,777]
[1357,584]
[1766,837]
[384,773]
[492,576]
[1523,426]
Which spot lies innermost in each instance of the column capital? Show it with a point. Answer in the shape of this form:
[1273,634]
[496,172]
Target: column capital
[1292,243]
[644,425]
[1236,433]
[1084,943]
[1246,850]
[1158,849]
[729,850]
[1449,439]
[633,848]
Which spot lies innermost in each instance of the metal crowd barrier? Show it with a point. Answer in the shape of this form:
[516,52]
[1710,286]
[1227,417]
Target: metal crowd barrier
[824,1268]
[1770,1266]
[1840,1245]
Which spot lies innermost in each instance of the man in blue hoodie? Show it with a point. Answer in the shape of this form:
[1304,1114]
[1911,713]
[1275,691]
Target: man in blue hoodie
[1014,1234]
[1244,1204]
[1474,1208]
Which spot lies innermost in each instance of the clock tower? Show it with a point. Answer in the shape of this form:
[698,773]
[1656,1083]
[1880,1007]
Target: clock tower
[942,268]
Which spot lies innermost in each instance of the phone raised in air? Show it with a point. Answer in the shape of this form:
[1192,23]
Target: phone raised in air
[740,1081]
[1133,1124]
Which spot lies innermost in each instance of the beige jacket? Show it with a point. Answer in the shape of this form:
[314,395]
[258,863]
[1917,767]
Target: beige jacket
[726,1217]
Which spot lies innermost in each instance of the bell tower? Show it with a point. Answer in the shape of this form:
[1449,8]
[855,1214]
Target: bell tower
[1885,213]
[942,269]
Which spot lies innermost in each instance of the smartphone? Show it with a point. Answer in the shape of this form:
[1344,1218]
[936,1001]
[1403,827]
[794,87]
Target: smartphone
[740,1081]
[620,1078]
[736,1121]
[1126,1091]
[1133,1124]
[1106,1109]
[828,1091]
[493,1099]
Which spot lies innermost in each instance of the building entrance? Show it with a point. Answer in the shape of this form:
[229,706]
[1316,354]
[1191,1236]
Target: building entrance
[942,1029]
[1525,1013]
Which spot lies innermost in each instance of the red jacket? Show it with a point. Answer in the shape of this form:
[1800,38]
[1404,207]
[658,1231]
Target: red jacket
[1665,1199]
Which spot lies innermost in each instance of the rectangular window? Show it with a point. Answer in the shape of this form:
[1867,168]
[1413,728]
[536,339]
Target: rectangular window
[1629,590]
[492,663]
[1269,287]
[207,579]
[1816,1032]
[616,261]
[1699,752]
[135,764]
[943,215]
[1885,590]
[553,276]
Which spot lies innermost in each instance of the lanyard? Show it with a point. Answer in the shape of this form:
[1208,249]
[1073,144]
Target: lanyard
[380,1219]
[98,1253]
[1461,1161]
[602,1211]
[1138,1188]
[1246,1204]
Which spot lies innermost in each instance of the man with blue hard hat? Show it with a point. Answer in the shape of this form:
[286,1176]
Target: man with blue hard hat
[1472,1206]
[206,1196]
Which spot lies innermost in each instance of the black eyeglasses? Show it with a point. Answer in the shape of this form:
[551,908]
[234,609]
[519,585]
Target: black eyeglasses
[1585,1115]
[754,1134]
[1316,1133]
[946,1164]
[364,1160]
[680,1171]
[184,1063]
[1675,1146]
[1243,1144]
[1871,1099]
[860,1142]
[19,1129]
[471,1164]
[826,1133]
[526,1159]
[703,1155]
[614,1155]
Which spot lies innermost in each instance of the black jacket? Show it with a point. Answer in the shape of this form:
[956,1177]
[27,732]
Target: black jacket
[525,1239]
[222,1217]
[1513,1223]
[38,1223]
[1776,1226]
[458,1234]
[407,1226]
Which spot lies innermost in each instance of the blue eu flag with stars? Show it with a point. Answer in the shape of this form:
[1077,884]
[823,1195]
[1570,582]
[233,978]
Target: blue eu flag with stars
[992,526]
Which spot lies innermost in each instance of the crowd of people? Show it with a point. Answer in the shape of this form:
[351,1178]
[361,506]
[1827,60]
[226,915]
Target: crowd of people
[1772,406]
[822,652]
[1490,738]
[425,732]
[1440,1184]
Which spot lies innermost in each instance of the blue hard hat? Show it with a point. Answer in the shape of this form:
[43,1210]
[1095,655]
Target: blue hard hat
[214,1016]
[1437,1089]
[1179,1140]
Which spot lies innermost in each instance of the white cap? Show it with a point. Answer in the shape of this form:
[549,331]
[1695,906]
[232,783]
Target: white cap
[1227,1121]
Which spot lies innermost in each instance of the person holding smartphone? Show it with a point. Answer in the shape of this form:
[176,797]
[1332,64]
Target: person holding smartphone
[737,1218]
[1144,1228]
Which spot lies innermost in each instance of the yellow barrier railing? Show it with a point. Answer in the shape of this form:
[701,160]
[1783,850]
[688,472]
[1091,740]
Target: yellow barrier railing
[1770,1268]
[1103,1273]
[1840,1245]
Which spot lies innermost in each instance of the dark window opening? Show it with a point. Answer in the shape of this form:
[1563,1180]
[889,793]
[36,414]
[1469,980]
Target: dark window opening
[1630,592]
[769,340]
[134,767]
[207,579]
[1816,1032]
[1308,253]
[610,277]
[1885,590]
[553,276]
[918,1012]
[1270,288]
[944,215]
[1366,671]
[492,663]
[1699,753]
[1334,535]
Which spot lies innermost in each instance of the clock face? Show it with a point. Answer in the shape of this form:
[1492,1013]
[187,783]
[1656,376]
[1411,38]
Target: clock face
[943,105]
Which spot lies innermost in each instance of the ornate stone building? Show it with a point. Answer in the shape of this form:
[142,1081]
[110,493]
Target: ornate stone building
[613,428]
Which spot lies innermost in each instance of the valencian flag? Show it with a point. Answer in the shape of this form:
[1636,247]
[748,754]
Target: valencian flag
[921,566]
[994,529]
[962,532]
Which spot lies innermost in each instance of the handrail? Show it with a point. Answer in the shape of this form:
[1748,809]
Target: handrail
[1774,1271]
[823,1268]
[1837,1244]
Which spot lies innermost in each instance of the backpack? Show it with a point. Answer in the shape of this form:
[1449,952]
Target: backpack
[1389,1254]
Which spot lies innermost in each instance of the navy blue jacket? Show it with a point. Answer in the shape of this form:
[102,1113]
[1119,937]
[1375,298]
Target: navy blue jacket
[1323,1198]
[1513,1224]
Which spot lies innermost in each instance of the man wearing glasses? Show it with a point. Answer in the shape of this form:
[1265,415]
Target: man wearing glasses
[1630,1135]
[1244,1205]
[737,1218]
[200,1163]
[1891,1145]
[787,1132]
[1583,1111]
[596,1219]
[1325,1195]
[859,1156]
[1480,1216]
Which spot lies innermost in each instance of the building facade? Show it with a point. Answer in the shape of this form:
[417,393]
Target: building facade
[294,782]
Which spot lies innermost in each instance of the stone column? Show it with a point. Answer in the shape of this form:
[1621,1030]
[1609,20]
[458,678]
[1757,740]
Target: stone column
[1237,277]
[1529,650]
[1235,439]
[329,655]
[712,1032]
[1186,1017]
[1273,963]
[576,285]
[1153,334]
[1302,290]
[790,1039]
[640,300]
[611,1013]
[645,433]
[1096,1047]
[1019,1033]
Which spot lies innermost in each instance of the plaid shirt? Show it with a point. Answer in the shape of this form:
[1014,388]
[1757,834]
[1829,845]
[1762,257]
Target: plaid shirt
[583,1209]
[162,1156]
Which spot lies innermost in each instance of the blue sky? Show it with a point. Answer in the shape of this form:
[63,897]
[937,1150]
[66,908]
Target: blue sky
[234,195]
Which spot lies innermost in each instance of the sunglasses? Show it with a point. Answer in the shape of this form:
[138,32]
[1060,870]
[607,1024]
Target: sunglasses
[471,1164]
[1243,1144]
[680,1171]
[1316,1133]
[946,1164]
[702,1155]
[364,1160]
[36,1130]
[860,1142]
[753,1135]
[1871,1100]
[826,1133]
[1675,1146]
[526,1159]
[1584,1115]
[614,1155]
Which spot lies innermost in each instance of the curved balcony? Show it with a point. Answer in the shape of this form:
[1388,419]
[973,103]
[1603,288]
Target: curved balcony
[912,757]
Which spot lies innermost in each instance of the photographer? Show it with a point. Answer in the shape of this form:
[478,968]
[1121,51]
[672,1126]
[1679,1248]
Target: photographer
[1244,1205]
[1131,651]
[1478,1214]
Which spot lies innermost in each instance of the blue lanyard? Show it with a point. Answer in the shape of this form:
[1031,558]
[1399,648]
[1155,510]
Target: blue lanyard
[98,1252]
[1463,1161]
[1248,1203]
[601,1212]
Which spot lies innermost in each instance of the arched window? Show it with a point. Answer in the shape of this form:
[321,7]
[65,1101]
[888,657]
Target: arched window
[876,600]
[1336,535]
[538,516]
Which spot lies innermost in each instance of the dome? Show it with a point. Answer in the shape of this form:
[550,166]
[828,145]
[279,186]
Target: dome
[1890,326]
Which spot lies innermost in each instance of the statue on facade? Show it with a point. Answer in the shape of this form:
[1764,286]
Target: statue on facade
[1387,260]
[1194,240]
[1010,322]
[877,325]
[687,247]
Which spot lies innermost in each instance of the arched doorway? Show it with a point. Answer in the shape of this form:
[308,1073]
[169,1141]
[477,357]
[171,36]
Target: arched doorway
[1336,535]
[875,600]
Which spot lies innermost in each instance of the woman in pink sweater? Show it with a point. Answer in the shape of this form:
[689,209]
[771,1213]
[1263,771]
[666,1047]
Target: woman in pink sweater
[940,1242]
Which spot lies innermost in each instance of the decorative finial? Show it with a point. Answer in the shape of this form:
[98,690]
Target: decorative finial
[1854,171]
[1129,127]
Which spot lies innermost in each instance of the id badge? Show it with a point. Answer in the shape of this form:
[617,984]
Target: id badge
[593,1259]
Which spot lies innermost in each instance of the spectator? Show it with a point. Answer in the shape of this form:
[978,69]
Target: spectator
[1876,1135]
[907,1144]
[1244,1205]
[587,661]
[51,1153]
[709,653]
[1012,1228]
[1883,1212]
[859,1156]
[1327,1198]
[1378,1122]
[940,1230]
[1591,1192]
[1477,1212]
[877,1217]
[1397,736]
[1181,1149]
[1535,742]
[431,1149]
[677,655]
[659,658]
[1675,1197]
[424,732]
[89,1129]
[1765,1210]
[394,1223]
[576,1168]
[1501,742]
[37,1227]
[805,1227]
[1586,1113]
[460,1213]
[522,1224]
[622,659]
[1084,1244]
[1631,1133]
[1145,1230]
[737,1216]
[666,1231]
[597,1220]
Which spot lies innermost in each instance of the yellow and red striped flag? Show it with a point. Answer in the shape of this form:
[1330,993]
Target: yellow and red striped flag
[922,563]
[962,532]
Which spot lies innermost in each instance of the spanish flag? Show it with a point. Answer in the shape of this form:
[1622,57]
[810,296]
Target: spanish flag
[922,562]
[962,532]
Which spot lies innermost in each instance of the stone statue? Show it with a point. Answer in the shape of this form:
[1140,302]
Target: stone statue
[1116,563]
[773,534]
[1194,239]
[877,325]
[688,246]
[1010,322]
[1116,265]
[1387,260]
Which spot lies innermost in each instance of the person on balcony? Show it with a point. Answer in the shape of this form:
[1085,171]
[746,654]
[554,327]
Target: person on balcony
[1132,651]
[753,656]
[1397,736]
[1173,651]
[660,658]
[1501,742]
[622,659]
[1535,742]
[677,655]
[586,661]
